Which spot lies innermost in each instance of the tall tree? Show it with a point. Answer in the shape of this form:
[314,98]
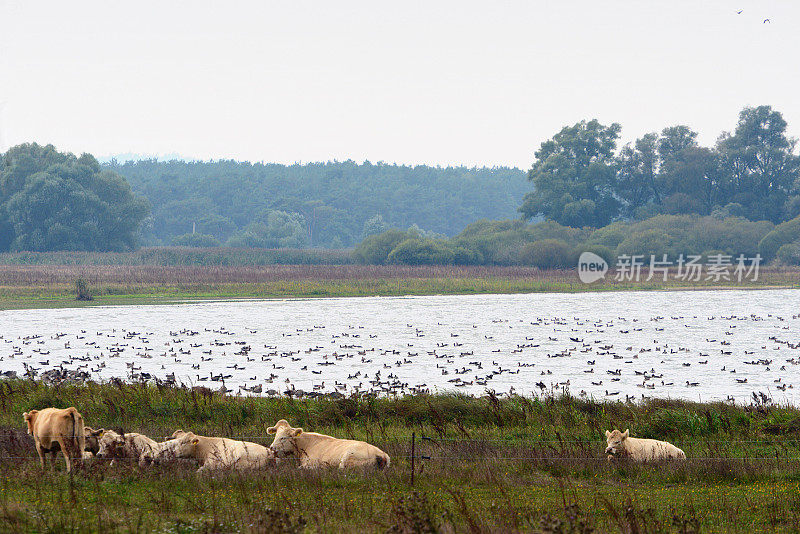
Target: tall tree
[759,163]
[637,171]
[573,176]
[55,201]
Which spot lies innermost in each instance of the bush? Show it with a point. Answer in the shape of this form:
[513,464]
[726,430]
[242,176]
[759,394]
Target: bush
[789,254]
[547,254]
[196,240]
[602,251]
[783,234]
[647,243]
[375,249]
[422,252]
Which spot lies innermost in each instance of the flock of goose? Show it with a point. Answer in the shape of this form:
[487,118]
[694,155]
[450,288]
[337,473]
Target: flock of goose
[368,346]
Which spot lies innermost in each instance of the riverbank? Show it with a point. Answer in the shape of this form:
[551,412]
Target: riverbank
[487,465]
[44,286]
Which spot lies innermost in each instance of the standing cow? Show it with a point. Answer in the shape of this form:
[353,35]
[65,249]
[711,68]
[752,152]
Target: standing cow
[313,450]
[621,445]
[56,430]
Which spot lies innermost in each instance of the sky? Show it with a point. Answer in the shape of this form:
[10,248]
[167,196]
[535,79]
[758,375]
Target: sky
[412,82]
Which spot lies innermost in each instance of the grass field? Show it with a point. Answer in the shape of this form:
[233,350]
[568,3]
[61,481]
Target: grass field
[34,286]
[487,465]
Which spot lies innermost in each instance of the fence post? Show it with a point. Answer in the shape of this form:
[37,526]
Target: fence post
[413,454]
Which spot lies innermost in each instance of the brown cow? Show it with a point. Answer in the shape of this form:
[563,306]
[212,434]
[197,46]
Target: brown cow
[56,430]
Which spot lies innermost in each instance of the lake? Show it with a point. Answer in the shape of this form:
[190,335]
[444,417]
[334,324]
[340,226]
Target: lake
[696,345]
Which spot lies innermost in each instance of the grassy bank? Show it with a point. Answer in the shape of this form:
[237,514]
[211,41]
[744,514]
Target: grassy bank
[487,465]
[31,286]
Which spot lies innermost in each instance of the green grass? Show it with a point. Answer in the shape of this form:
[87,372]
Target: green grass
[39,286]
[491,465]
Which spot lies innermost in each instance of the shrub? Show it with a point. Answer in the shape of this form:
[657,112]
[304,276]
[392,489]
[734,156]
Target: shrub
[646,243]
[789,254]
[783,234]
[375,249]
[547,254]
[422,252]
[601,250]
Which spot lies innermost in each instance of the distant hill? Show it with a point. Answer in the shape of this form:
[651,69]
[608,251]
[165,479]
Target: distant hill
[330,204]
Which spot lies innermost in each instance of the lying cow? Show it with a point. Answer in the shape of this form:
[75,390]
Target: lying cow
[127,445]
[212,453]
[313,450]
[92,441]
[56,430]
[621,445]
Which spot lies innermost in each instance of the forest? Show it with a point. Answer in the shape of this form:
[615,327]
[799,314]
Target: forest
[328,205]
[660,194]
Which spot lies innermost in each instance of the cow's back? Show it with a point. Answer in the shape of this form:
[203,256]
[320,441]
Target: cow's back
[644,450]
[136,444]
[229,453]
[320,449]
[54,424]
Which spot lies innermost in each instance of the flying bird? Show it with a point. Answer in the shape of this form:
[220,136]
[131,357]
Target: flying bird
[739,12]
[766,20]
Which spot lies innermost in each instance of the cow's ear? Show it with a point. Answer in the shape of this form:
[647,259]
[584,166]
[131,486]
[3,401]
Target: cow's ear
[607,434]
[272,430]
[195,441]
[297,431]
[626,433]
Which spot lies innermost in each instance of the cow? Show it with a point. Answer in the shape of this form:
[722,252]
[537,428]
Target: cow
[126,445]
[213,453]
[312,450]
[54,430]
[621,445]
[92,437]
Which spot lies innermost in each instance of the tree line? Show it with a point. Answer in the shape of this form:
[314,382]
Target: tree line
[661,194]
[580,179]
[329,205]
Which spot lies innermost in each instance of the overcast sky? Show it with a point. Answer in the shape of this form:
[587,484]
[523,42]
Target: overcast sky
[476,83]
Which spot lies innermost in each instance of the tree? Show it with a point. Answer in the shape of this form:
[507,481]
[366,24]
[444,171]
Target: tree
[55,201]
[272,229]
[374,225]
[759,163]
[638,166]
[573,176]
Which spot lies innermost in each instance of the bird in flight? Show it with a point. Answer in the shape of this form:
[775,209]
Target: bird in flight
[739,12]
[766,20]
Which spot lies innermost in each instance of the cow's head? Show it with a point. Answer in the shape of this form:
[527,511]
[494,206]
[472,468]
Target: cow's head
[615,442]
[30,418]
[92,439]
[284,445]
[111,444]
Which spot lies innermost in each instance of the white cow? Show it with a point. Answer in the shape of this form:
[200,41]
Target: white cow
[314,450]
[212,453]
[621,445]
[127,445]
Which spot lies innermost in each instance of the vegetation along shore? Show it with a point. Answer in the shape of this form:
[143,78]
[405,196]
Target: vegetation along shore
[490,464]
[45,285]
